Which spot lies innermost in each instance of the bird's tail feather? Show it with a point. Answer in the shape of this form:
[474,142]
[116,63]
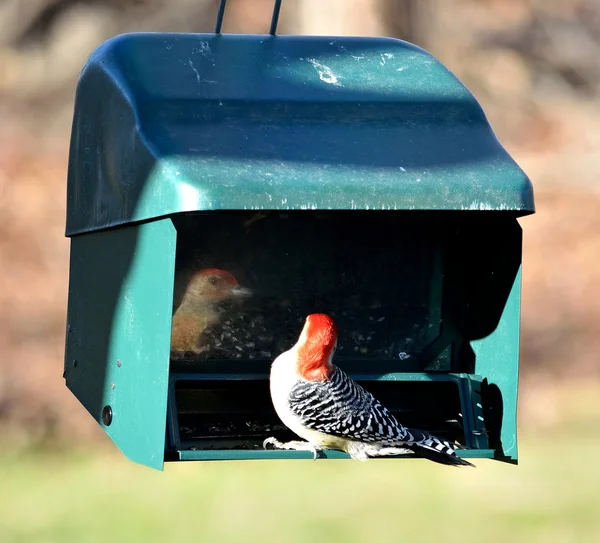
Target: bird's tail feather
[436,449]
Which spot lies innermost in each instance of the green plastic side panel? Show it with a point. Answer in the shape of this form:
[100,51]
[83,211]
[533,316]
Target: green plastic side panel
[167,123]
[119,323]
[497,358]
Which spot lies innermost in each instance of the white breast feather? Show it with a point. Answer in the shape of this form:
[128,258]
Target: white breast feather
[283,377]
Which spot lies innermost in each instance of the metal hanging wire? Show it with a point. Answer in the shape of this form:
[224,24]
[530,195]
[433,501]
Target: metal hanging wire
[274,17]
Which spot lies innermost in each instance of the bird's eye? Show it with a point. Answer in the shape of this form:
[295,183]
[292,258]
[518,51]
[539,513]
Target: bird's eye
[213,279]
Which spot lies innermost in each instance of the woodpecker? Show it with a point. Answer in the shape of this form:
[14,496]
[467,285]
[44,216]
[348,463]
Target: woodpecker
[198,299]
[320,403]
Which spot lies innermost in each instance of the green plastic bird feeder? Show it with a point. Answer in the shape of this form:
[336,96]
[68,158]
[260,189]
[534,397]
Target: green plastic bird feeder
[352,176]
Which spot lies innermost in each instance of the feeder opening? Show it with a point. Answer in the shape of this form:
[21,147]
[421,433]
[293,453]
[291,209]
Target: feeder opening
[228,414]
[245,282]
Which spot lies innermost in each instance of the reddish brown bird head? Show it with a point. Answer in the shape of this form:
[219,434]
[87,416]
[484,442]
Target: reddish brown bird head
[200,301]
[214,285]
[316,346]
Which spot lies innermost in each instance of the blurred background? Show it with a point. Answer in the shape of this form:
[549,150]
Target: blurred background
[534,66]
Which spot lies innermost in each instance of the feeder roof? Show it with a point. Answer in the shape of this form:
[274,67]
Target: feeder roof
[170,123]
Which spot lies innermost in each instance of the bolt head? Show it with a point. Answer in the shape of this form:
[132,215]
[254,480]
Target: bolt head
[107,415]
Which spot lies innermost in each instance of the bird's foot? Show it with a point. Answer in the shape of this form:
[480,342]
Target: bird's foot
[291,446]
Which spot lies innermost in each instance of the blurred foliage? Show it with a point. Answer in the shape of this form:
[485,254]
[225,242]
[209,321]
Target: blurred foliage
[532,64]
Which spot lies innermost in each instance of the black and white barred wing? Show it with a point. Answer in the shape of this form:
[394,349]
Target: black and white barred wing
[341,407]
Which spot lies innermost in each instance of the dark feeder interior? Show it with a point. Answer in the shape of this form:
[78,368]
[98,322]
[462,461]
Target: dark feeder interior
[409,290]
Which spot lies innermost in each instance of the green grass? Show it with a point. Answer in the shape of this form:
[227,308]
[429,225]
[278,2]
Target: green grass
[554,495]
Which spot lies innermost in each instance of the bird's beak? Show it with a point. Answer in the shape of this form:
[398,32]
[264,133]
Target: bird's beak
[240,292]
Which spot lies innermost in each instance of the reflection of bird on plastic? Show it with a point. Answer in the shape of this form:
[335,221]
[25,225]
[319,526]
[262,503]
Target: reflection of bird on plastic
[198,303]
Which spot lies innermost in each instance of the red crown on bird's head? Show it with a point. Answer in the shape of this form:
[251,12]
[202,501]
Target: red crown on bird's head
[321,329]
[316,346]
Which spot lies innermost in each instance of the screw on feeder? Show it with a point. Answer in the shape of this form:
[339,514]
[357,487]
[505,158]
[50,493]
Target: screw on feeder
[118,363]
[274,17]
[107,415]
